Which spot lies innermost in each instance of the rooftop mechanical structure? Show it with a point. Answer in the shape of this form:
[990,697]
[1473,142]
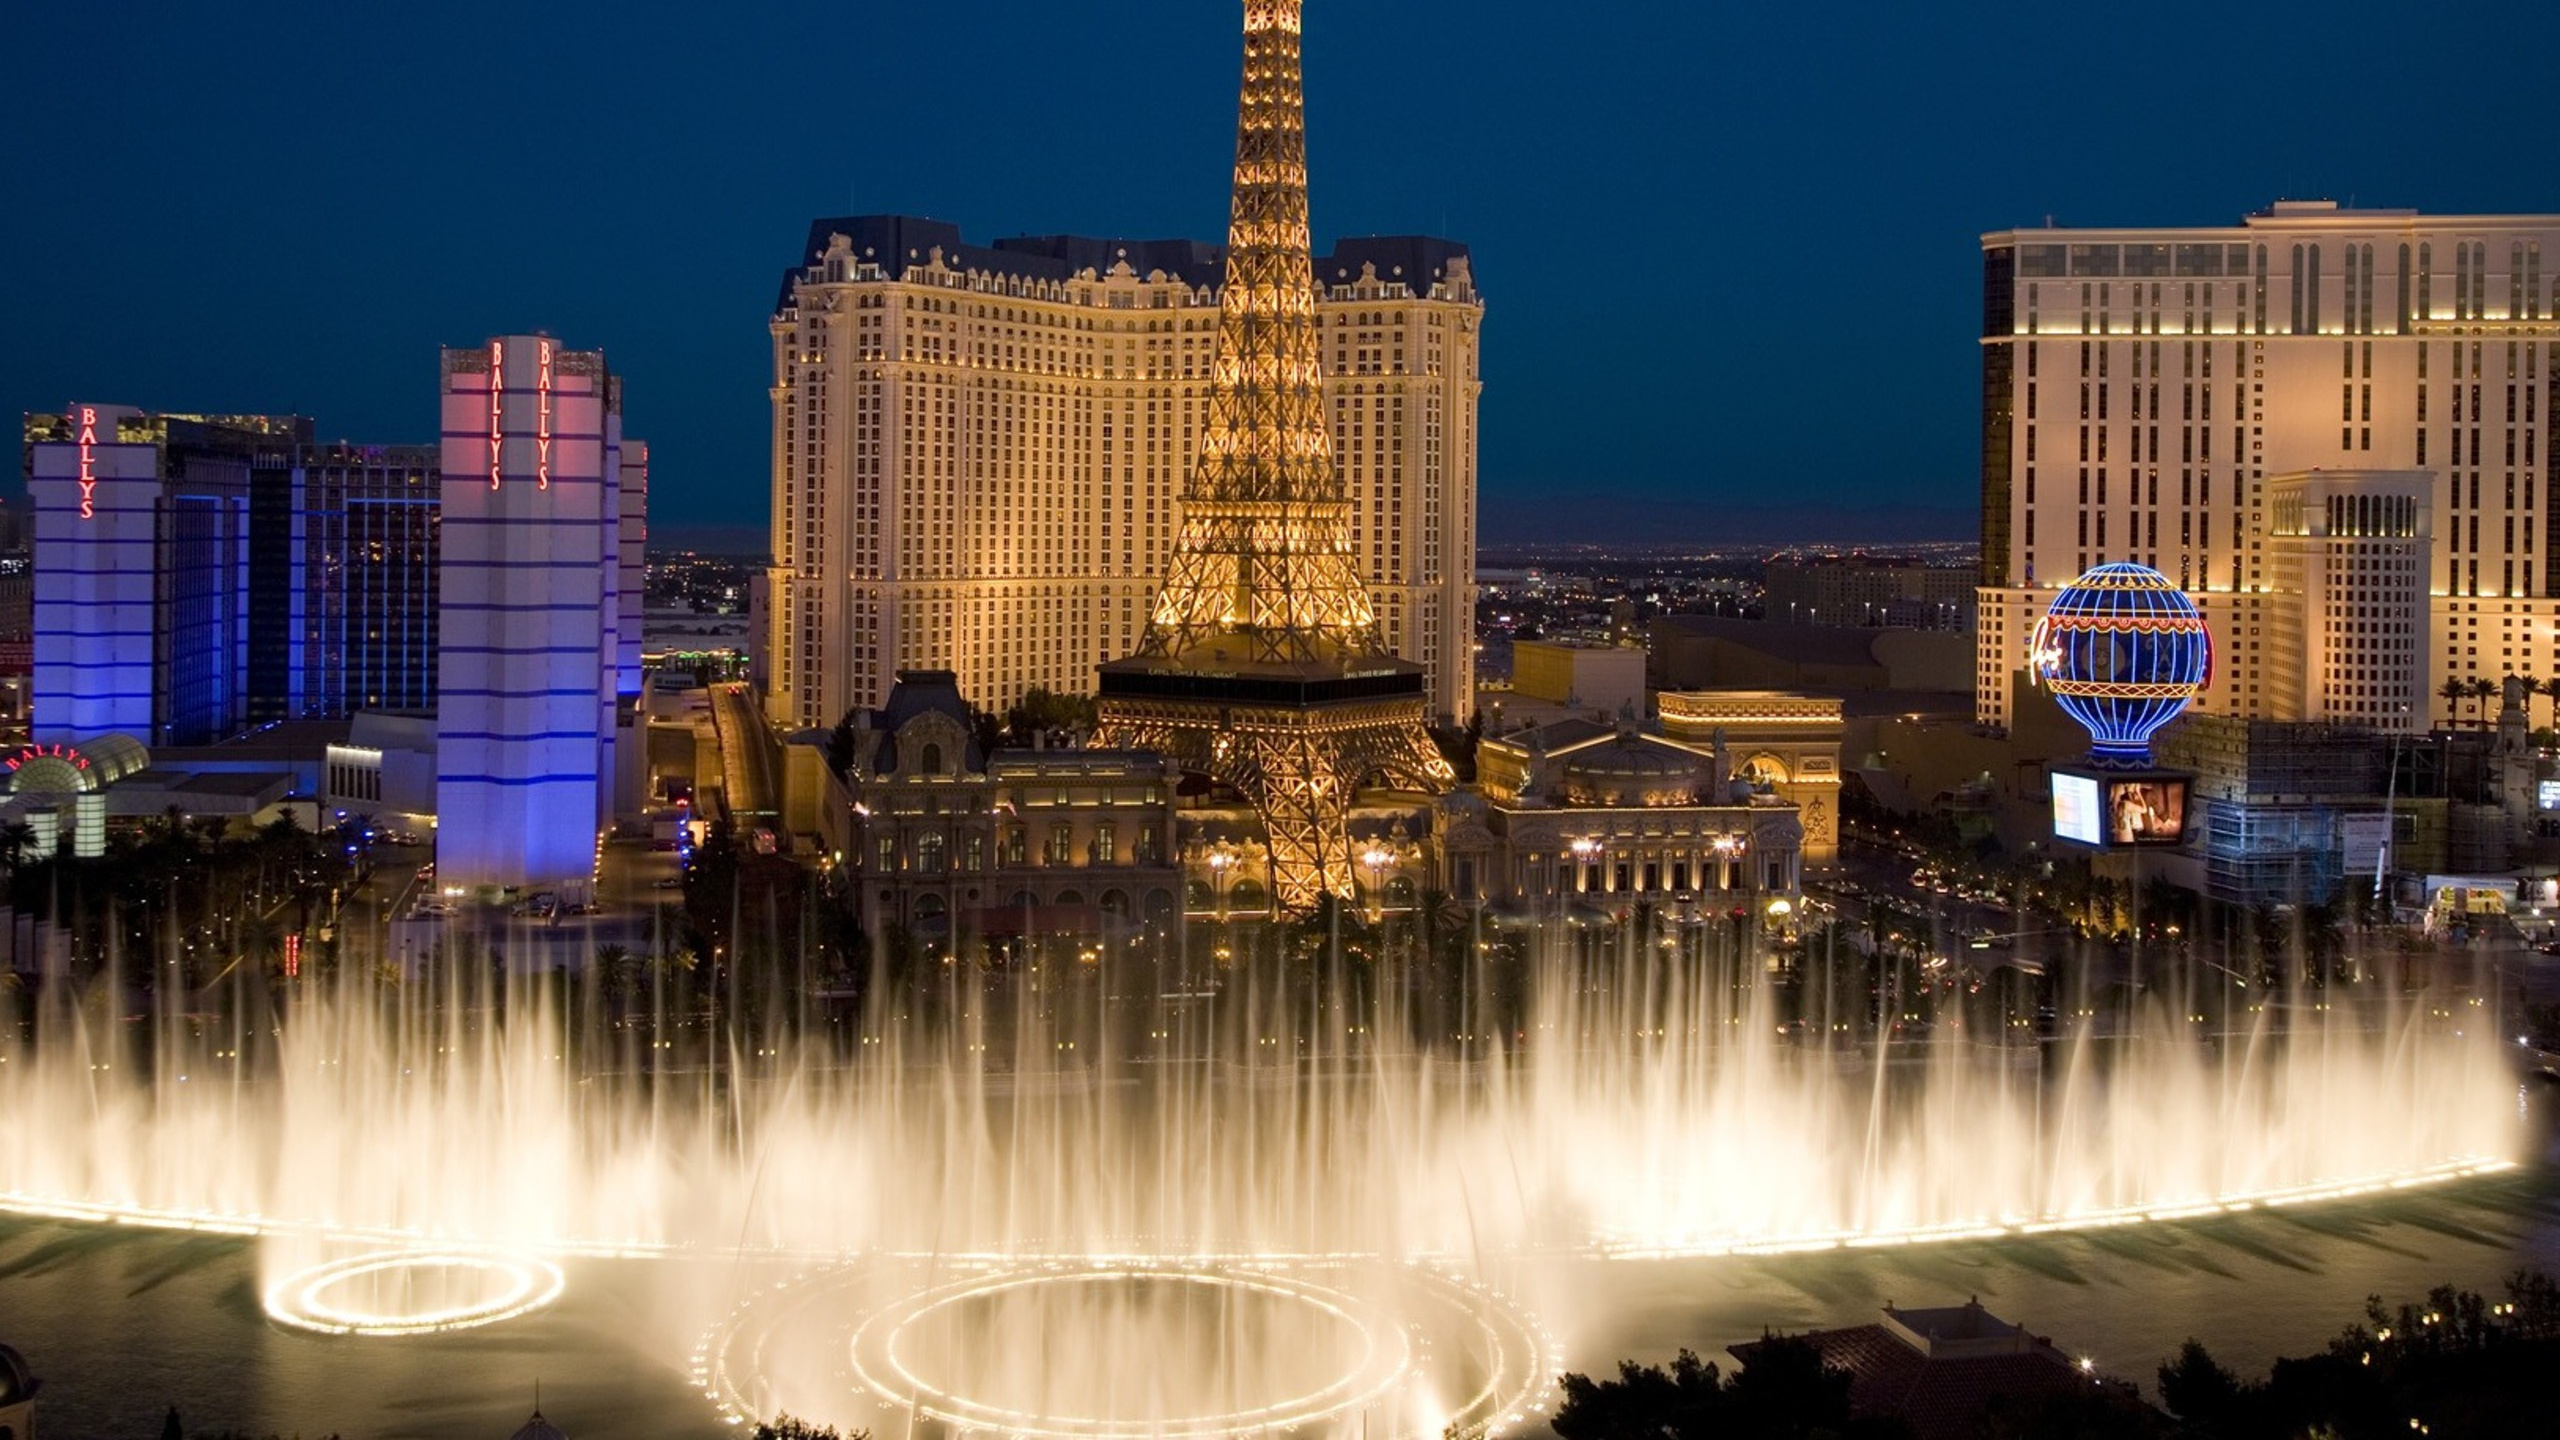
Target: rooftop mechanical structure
[1262,665]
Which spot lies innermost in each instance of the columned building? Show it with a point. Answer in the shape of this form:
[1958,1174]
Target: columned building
[2144,390]
[978,452]
[950,841]
[531,655]
[1580,812]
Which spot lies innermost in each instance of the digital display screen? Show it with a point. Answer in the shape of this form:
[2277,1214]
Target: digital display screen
[2150,811]
[2550,794]
[2075,809]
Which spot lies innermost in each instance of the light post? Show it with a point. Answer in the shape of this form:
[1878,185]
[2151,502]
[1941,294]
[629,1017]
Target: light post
[1376,859]
[1728,850]
[1585,851]
[1222,859]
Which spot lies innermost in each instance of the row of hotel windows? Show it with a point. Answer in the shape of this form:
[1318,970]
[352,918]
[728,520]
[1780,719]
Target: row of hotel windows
[932,852]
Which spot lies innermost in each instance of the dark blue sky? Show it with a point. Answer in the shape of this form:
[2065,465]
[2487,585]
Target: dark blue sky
[1729,251]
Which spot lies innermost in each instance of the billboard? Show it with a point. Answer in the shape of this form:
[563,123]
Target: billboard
[2075,808]
[2119,809]
[2364,839]
[2148,810]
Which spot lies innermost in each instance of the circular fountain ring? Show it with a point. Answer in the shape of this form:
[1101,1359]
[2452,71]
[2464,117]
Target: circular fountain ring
[309,1299]
[1376,1340]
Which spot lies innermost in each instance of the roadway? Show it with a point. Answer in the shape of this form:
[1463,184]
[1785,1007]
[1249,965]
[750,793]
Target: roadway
[747,753]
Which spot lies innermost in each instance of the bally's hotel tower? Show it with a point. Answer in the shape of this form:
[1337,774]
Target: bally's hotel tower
[539,667]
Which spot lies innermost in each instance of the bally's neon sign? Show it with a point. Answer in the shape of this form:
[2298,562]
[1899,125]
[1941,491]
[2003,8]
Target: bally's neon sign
[497,407]
[49,752]
[88,472]
[541,416]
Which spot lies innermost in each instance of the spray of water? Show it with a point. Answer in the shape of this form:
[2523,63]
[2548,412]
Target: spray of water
[1259,1177]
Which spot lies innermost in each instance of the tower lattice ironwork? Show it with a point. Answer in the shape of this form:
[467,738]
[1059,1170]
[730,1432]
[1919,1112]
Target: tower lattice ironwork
[1262,665]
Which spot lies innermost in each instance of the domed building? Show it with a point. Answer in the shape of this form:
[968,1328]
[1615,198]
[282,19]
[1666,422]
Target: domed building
[1630,770]
[18,1386]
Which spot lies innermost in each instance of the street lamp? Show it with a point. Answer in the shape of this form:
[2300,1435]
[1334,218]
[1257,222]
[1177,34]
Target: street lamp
[1376,859]
[1220,861]
[1584,851]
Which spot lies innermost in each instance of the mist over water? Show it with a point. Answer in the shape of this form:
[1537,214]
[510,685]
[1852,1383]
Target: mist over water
[1285,1183]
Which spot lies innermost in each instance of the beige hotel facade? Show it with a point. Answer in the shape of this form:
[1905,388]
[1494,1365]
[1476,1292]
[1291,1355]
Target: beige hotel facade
[978,453]
[2331,426]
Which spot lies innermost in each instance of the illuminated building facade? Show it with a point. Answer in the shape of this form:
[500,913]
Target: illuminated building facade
[2347,609]
[531,656]
[1867,590]
[141,608]
[2144,390]
[978,452]
[342,580]
[952,840]
[1580,812]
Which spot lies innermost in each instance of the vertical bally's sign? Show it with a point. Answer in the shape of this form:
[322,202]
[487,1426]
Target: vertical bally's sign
[542,351]
[542,415]
[497,407]
[88,462]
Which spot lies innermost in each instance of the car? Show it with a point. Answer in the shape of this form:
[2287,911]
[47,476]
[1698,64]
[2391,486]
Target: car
[668,882]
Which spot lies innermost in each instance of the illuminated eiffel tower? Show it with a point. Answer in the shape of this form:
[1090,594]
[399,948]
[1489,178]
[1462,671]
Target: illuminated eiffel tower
[1262,666]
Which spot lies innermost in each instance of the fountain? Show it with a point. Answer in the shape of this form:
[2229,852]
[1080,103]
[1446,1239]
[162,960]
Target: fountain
[1118,1200]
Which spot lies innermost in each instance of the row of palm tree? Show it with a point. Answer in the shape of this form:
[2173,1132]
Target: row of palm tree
[2481,692]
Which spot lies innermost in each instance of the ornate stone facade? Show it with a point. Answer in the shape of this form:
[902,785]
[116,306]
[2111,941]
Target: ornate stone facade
[949,839]
[1580,812]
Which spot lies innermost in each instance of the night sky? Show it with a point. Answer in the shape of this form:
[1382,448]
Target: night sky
[1729,252]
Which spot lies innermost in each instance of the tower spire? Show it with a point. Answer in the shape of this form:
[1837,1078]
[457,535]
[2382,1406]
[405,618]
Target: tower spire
[1262,570]
[1262,665]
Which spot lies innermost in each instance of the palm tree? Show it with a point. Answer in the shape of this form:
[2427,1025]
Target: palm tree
[2551,687]
[2453,691]
[2482,692]
[261,940]
[618,970]
[17,837]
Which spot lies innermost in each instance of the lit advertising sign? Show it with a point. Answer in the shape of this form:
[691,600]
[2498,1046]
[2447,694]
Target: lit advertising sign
[2075,808]
[2549,794]
[2119,810]
[2362,839]
[2148,811]
[77,760]
[497,407]
[542,416]
[88,462]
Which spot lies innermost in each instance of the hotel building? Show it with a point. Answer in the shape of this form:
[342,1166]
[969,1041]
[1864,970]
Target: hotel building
[141,608]
[531,665]
[977,453]
[342,580]
[2331,426]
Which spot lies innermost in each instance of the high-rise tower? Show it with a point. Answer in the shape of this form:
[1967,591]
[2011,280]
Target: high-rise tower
[1262,664]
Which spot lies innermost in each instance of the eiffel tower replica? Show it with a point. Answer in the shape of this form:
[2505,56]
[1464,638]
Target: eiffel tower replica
[1262,665]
